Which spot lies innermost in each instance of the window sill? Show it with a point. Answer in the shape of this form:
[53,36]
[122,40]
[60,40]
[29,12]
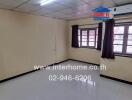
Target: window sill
[122,55]
[88,47]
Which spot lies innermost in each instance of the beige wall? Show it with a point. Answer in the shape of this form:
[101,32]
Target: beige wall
[120,67]
[83,54]
[28,40]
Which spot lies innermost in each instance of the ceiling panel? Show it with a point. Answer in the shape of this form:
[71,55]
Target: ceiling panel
[33,6]
[79,9]
[38,1]
[85,13]
[56,7]
[57,14]
[70,3]
[3,6]
[82,7]
[28,7]
[109,3]
[64,9]
[97,3]
[120,2]
[11,3]
[92,3]
[68,11]
[81,16]
[42,11]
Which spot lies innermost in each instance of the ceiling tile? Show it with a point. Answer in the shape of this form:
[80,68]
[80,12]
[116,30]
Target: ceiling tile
[3,6]
[42,11]
[28,7]
[92,2]
[65,9]
[38,1]
[59,15]
[11,3]
[108,3]
[68,11]
[55,7]
[34,1]
[70,3]
[120,2]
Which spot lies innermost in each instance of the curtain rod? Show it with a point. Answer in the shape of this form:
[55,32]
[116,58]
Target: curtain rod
[123,18]
[88,24]
[116,19]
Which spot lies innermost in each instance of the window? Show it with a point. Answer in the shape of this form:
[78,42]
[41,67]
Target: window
[123,39]
[87,38]
[118,38]
[129,41]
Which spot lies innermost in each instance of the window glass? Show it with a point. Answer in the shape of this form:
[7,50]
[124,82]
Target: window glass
[87,37]
[84,43]
[129,42]
[123,39]
[118,36]
[78,32]
[91,43]
[91,35]
[84,37]
[91,39]
[84,32]
[129,37]
[79,43]
[119,30]
[92,32]
[78,38]
[118,48]
[118,41]
[129,49]
[130,30]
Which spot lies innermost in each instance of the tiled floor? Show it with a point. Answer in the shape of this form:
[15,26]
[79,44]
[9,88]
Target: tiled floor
[36,86]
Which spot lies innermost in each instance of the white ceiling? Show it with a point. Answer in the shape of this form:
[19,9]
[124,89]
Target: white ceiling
[64,9]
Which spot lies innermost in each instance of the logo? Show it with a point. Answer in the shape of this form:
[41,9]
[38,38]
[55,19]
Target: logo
[102,13]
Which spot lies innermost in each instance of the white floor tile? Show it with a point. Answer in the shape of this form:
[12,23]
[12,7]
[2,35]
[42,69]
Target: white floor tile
[36,86]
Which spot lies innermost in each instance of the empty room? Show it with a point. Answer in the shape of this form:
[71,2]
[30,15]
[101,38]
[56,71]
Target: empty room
[65,49]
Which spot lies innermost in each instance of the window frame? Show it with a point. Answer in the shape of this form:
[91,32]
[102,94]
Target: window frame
[125,40]
[88,29]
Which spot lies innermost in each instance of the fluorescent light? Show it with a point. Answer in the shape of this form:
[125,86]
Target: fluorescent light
[44,2]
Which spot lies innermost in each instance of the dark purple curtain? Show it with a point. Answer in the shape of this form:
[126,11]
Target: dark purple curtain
[108,40]
[75,36]
[99,44]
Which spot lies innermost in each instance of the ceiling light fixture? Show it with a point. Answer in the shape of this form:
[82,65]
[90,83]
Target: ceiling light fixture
[44,2]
